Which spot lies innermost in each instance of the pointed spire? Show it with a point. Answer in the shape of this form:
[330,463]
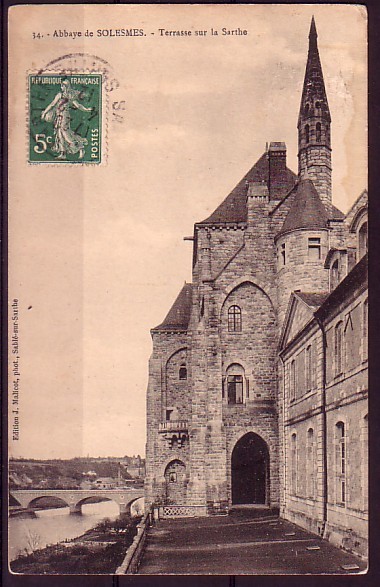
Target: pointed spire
[314,138]
[314,86]
[313,35]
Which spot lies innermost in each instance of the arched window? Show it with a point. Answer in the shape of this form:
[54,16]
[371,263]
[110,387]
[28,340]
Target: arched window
[294,464]
[334,281]
[365,330]
[340,462]
[338,344]
[293,380]
[363,240]
[182,374]
[318,131]
[235,382]
[307,133]
[310,464]
[317,105]
[234,319]
[307,108]
[308,368]
[327,133]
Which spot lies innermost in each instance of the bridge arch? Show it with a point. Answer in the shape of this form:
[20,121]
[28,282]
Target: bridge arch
[53,500]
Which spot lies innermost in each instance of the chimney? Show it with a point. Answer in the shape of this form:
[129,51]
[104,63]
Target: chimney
[277,171]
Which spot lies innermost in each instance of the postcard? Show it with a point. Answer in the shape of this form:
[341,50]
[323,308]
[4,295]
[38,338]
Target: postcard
[188,308]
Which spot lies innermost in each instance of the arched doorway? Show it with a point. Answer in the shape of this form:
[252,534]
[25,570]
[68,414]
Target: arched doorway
[250,470]
[175,482]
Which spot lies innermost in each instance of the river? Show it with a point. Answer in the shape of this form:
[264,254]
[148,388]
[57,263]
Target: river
[55,525]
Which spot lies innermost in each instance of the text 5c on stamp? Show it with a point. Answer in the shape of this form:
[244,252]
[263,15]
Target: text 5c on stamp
[65,117]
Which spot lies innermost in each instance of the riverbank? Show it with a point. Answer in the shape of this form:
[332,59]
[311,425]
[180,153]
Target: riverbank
[98,551]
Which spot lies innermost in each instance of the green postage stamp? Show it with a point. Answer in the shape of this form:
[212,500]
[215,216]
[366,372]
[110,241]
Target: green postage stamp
[65,117]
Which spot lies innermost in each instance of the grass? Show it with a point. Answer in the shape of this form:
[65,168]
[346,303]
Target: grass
[77,557]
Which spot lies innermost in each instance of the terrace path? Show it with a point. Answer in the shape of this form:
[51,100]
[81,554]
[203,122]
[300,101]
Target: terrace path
[244,542]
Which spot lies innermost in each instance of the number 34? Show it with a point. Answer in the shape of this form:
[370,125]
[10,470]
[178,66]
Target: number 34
[42,140]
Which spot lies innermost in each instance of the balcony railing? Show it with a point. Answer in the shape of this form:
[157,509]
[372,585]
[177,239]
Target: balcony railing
[173,426]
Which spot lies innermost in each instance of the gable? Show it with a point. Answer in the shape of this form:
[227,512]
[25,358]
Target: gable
[299,314]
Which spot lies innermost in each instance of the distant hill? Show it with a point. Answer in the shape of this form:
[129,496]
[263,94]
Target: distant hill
[69,473]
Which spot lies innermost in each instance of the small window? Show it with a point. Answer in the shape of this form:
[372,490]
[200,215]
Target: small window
[334,274]
[183,372]
[234,319]
[307,108]
[317,105]
[293,380]
[363,240]
[308,368]
[235,389]
[318,132]
[340,463]
[173,477]
[307,133]
[283,254]
[310,464]
[327,133]
[314,248]
[338,348]
[294,464]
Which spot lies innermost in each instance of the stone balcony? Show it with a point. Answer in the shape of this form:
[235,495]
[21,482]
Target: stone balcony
[175,432]
[175,426]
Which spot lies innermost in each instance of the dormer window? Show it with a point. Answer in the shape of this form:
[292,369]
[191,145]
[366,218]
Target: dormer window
[234,319]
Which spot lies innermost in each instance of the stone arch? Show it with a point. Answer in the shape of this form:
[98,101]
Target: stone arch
[250,470]
[268,436]
[101,498]
[176,479]
[128,506]
[257,336]
[359,217]
[172,354]
[33,503]
[251,279]
[175,456]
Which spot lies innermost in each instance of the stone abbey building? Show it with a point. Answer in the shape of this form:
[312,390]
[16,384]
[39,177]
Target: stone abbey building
[258,377]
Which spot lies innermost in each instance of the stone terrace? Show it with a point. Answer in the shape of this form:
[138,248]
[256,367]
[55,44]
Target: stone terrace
[245,542]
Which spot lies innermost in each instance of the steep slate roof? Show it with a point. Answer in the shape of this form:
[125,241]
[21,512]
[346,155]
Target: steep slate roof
[178,316]
[314,300]
[234,207]
[336,213]
[306,210]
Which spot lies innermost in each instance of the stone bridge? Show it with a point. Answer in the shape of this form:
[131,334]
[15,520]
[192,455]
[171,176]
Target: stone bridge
[75,498]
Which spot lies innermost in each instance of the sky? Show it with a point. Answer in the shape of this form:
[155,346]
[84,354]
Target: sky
[97,256]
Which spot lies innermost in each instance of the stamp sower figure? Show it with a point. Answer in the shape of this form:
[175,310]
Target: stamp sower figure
[58,112]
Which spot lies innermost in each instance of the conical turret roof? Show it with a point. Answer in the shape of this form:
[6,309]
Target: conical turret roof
[306,210]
